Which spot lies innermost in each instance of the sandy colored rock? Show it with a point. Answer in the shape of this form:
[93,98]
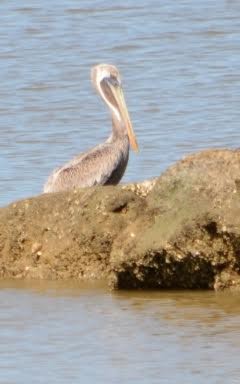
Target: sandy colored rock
[181,230]
[64,235]
[192,234]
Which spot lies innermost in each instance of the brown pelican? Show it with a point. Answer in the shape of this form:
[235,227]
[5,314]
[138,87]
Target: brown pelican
[104,164]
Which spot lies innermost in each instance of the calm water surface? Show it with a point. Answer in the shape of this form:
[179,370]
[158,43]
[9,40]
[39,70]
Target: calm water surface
[70,333]
[180,67]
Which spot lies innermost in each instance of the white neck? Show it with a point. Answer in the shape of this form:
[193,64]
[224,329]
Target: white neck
[100,76]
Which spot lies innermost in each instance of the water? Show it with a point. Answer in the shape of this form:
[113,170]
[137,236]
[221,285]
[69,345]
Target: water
[180,67]
[70,333]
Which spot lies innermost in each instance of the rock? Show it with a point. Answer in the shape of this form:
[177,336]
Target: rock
[181,230]
[191,236]
[64,235]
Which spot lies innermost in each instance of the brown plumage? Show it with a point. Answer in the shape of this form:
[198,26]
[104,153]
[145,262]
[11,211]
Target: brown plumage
[106,163]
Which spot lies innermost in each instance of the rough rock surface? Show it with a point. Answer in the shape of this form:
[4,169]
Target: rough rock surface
[181,230]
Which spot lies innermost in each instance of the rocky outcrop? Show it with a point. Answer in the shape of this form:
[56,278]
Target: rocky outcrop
[65,235]
[181,230]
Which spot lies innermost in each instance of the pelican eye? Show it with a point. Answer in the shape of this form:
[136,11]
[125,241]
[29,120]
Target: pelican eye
[113,81]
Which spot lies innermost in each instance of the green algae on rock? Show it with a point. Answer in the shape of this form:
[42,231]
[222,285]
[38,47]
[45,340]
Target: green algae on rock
[192,237]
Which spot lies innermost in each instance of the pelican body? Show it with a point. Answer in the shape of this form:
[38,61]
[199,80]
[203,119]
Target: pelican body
[104,164]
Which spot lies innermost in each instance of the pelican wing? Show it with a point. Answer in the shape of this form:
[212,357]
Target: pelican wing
[102,165]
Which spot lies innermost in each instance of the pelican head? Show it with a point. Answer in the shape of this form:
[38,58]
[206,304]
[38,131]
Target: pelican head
[107,81]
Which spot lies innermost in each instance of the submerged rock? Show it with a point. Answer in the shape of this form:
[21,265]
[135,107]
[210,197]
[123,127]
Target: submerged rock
[181,230]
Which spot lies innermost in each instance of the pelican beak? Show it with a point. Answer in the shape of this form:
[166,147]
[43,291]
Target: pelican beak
[123,111]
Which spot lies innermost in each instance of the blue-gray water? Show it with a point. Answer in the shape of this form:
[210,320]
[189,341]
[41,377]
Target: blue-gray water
[180,66]
[68,333]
